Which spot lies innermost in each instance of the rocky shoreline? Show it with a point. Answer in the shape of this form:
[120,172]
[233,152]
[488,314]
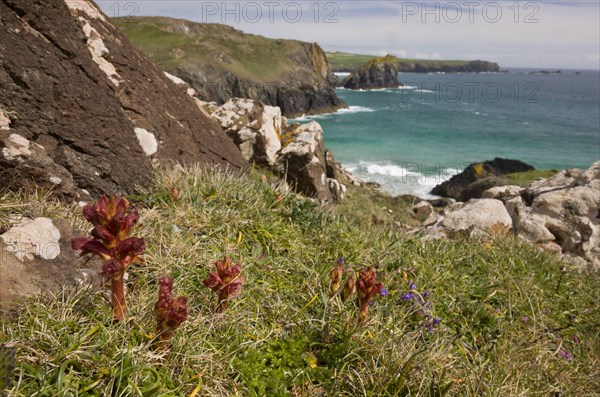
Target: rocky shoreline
[560,214]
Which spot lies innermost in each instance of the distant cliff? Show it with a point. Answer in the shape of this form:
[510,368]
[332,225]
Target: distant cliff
[377,73]
[345,62]
[221,63]
[449,67]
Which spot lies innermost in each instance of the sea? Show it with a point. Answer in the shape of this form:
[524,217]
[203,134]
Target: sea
[410,138]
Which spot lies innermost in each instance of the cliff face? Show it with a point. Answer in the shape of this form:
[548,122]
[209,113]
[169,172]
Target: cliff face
[221,63]
[377,73]
[82,111]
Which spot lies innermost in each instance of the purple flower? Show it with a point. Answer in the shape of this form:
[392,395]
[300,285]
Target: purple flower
[407,296]
[425,294]
[431,324]
[341,260]
[411,286]
[384,292]
[566,355]
[524,319]
[576,339]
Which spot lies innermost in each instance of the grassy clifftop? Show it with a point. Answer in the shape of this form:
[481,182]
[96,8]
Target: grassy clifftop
[511,322]
[172,43]
[347,62]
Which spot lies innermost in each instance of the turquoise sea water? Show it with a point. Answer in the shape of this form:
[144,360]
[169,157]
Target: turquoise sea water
[411,138]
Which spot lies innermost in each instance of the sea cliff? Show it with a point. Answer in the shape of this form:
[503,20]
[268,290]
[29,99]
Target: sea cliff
[221,63]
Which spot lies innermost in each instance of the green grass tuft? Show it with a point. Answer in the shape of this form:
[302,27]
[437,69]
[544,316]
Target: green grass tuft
[507,310]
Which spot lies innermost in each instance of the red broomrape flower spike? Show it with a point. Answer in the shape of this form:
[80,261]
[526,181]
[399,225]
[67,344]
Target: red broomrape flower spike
[368,288]
[109,240]
[170,313]
[335,277]
[349,287]
[226,282]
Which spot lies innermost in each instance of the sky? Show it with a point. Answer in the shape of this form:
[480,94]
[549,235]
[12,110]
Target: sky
[534,34]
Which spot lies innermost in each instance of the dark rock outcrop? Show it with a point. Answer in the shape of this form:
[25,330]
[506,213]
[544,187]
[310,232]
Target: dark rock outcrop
[377,73]
[222,63]
[86,113]
[477,178]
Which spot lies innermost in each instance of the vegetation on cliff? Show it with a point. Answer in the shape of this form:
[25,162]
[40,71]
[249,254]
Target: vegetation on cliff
[481,317]
[220,62]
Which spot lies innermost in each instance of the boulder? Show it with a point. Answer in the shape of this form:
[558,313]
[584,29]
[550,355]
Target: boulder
[460,185]
[562,213]
[375,74]
[422,210]
[303,163]
[502,192]
[255,128]
[36,256]
[475,218]
[84,112]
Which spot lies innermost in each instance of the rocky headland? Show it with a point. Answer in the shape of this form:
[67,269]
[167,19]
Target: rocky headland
[375,74]
[221,63]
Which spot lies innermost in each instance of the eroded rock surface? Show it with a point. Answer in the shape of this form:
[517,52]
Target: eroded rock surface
[81,105]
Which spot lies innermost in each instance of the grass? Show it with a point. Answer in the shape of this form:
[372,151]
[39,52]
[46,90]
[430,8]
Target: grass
[524,179]
[507,310]
[212,46]
[345,61]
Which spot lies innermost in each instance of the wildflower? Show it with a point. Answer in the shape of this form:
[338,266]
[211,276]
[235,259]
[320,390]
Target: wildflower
[524,319]
[335,277]
[411,286]
[368,288]
[226,282]
[407,296]
[566,355]
[575,339]
[384,292]
[431,323]
[349,288]
[109,240]
[170,313]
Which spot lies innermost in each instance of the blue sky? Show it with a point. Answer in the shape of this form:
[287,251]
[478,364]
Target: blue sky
[538,34]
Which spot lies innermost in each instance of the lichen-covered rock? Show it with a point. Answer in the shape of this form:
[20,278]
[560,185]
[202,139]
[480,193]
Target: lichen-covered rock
[377,73]
[303,163]
[476,218]
[502,192]
[81,105]
[563,211]
[255,128]
[36,256]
